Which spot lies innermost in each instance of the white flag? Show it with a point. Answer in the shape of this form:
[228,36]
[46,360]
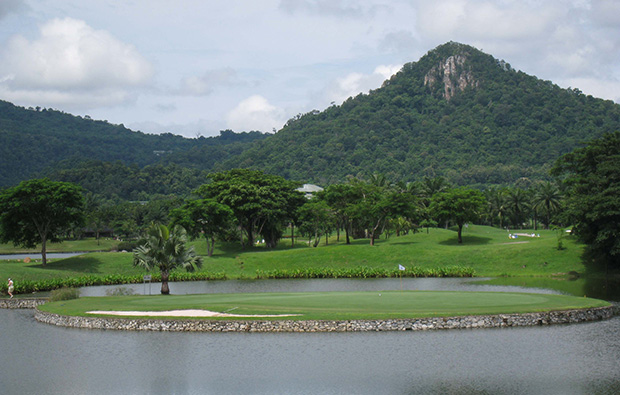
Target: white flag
[401,267]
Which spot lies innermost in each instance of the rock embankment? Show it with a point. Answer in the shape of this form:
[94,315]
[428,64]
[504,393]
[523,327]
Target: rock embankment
[202,325]
[21,303]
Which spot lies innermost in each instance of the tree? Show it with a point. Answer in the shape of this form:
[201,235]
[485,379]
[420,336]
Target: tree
[497,204]
[339,197]
[547,198]
[460,205]
[38,211]
[203,217]
[517,201]
[591,179]
[377,206]
[316,219]
[166,250]
[262,203]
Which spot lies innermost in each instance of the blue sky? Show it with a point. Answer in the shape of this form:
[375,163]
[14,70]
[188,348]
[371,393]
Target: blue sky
[195,67]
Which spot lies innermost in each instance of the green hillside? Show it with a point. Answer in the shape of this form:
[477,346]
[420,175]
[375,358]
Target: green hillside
[33,140]
[457,113]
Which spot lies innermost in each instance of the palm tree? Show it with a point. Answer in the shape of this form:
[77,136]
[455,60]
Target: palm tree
[166,250]
[497,204]
[518,204]
[547,197]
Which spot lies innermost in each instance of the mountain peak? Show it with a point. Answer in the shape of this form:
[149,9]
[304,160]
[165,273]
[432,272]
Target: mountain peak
[450,69]
[453,73]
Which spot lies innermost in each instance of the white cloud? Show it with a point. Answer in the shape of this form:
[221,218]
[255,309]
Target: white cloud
[255,113]
[70,62]
[355,83]
[596,87]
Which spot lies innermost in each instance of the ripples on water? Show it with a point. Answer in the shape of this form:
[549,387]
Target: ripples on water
[565,359]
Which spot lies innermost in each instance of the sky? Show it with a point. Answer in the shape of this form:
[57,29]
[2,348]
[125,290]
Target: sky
[195,67]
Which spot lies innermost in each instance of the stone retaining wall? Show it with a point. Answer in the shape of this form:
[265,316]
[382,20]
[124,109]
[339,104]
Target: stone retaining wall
[207,325]
[21,303]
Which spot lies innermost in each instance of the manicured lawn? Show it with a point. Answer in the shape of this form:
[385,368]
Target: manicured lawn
[488,251]
[65,246]
[335,305]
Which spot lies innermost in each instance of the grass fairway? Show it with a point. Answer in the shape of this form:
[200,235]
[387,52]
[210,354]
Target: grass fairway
[335,305]
[486,250]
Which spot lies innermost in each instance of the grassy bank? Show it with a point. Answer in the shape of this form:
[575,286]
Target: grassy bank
[486,251]
[65,246]
[336,305]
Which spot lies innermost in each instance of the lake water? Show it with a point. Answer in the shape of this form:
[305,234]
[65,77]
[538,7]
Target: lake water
[565,359]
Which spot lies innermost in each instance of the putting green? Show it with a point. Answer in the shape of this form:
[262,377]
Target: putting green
[332,305]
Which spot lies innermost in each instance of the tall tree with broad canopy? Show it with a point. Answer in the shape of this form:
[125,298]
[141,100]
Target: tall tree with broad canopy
[39,211]
[316,219]
[460,205]
[377,205]
[166,249]
[591,179]
[263,204]
[339,197]
[204,217]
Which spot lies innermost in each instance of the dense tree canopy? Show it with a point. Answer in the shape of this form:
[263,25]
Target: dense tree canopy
[263,204]
[591,176]
[502,126]
[38,211]
[479,123]
[204,217]
[460,205]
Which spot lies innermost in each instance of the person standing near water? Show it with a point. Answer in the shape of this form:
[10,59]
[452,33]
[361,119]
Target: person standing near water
[11,288]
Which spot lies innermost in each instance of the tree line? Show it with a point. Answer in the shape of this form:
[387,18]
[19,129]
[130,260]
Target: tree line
[249,206]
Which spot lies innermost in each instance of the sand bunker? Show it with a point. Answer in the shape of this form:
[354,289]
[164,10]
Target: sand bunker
[182,313]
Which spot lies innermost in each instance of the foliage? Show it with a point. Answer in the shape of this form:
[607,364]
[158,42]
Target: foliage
[316,219]
[64,294]
[505,126]
[486,250]
[204,217]
[37,211]
[50,138]
[117,181]
[367,272]
[166,250]
[262,203]
[591,178]
[460,205]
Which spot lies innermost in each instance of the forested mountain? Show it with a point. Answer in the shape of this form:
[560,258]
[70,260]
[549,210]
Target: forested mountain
[35,139]
[457,113]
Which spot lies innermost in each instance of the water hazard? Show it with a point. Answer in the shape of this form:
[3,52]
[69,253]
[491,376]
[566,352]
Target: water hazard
[563,359]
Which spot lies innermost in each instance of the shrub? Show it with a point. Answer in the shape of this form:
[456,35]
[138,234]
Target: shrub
[64,294]
[129,245]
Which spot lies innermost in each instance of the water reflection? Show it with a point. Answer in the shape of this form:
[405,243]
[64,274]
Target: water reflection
[566,359]
[316,285]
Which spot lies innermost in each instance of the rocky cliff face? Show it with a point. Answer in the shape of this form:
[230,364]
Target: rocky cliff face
[453,73]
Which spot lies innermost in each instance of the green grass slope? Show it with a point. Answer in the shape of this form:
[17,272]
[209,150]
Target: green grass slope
[488,251]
